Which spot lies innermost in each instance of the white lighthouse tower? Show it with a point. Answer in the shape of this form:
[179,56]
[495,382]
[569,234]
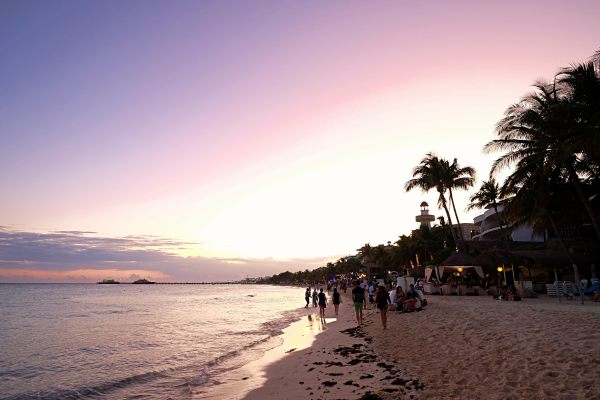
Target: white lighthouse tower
[425,218]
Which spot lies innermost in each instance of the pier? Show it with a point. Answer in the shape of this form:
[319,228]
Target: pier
[207,283]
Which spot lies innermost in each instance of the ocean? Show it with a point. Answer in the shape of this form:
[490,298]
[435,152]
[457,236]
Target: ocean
[86,341]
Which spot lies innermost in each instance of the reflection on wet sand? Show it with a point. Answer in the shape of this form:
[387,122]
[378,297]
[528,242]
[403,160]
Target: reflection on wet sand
[298,336]
[317,324]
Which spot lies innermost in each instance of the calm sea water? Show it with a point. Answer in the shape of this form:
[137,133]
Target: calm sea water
[134,341]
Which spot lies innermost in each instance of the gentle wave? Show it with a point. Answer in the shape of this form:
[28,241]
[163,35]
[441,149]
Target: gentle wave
[109,387]
[89,392]
[89,342]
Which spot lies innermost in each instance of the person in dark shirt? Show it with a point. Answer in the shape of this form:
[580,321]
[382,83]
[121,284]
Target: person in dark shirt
[307,297]
[358,297]
[382,299]
[322,303]
[336,300]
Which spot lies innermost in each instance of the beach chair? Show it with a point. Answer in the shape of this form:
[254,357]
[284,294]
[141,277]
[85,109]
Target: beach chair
[560,288]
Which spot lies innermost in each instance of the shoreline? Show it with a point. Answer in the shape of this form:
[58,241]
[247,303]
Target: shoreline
[237,383]
[459,347]
[341,364]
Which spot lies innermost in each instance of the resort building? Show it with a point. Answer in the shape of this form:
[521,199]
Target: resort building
[469,230]
[489,228]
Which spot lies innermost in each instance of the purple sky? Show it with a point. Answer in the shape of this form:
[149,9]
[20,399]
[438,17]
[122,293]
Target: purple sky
[256,130]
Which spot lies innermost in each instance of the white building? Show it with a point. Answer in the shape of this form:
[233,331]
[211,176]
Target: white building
[424,217]
[489,228]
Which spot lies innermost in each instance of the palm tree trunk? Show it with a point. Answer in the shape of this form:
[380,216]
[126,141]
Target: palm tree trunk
[505,236]
[584,200]
[456,242]
[575,269]
[460,232]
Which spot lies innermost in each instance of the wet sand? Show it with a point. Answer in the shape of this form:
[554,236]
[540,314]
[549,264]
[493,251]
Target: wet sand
[459,347]
[341,363]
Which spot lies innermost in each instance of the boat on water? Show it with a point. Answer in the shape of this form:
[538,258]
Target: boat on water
[108,281]
[143,282]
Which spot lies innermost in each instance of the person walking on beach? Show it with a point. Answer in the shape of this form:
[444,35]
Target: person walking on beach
[322,303]
[315,298]
[382,299]
[358,297]
[364,286]
[336,300]
[307,297]
[371,290]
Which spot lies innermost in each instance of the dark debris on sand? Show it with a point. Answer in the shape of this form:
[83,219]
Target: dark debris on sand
[345,351]
[357,332]
[361,353]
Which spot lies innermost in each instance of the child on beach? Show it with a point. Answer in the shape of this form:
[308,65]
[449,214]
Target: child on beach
[315,298]
[322,303]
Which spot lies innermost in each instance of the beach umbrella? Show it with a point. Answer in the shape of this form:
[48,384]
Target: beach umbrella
[495,257]
[458,259]
[549,258]
[491,259]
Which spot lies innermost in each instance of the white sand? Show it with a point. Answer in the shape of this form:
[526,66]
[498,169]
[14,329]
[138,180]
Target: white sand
[459,347]
[479,348]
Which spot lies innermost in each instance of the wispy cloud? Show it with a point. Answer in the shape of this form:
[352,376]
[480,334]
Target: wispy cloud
[81,256]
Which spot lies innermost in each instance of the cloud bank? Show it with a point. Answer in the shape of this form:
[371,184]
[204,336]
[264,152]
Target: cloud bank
[78,256]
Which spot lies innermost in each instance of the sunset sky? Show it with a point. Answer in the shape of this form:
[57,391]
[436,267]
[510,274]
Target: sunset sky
[217,139]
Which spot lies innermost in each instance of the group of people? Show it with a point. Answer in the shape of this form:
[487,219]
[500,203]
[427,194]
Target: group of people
[508,294]
[409,301]
[412,300]
[319,299]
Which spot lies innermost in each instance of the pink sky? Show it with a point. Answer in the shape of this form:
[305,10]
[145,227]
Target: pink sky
[259,129]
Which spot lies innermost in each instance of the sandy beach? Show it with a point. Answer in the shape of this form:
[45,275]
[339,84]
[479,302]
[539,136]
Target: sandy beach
[459,347]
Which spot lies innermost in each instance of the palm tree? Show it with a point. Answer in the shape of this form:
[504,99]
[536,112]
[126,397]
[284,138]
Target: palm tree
[552,136]
[581,96]
[457,177]
[366,254]
[431,174]
[535,201]
[486,197]
[555,127]
[381,257]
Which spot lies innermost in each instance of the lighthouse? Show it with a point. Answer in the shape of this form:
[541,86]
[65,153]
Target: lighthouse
[425,218]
